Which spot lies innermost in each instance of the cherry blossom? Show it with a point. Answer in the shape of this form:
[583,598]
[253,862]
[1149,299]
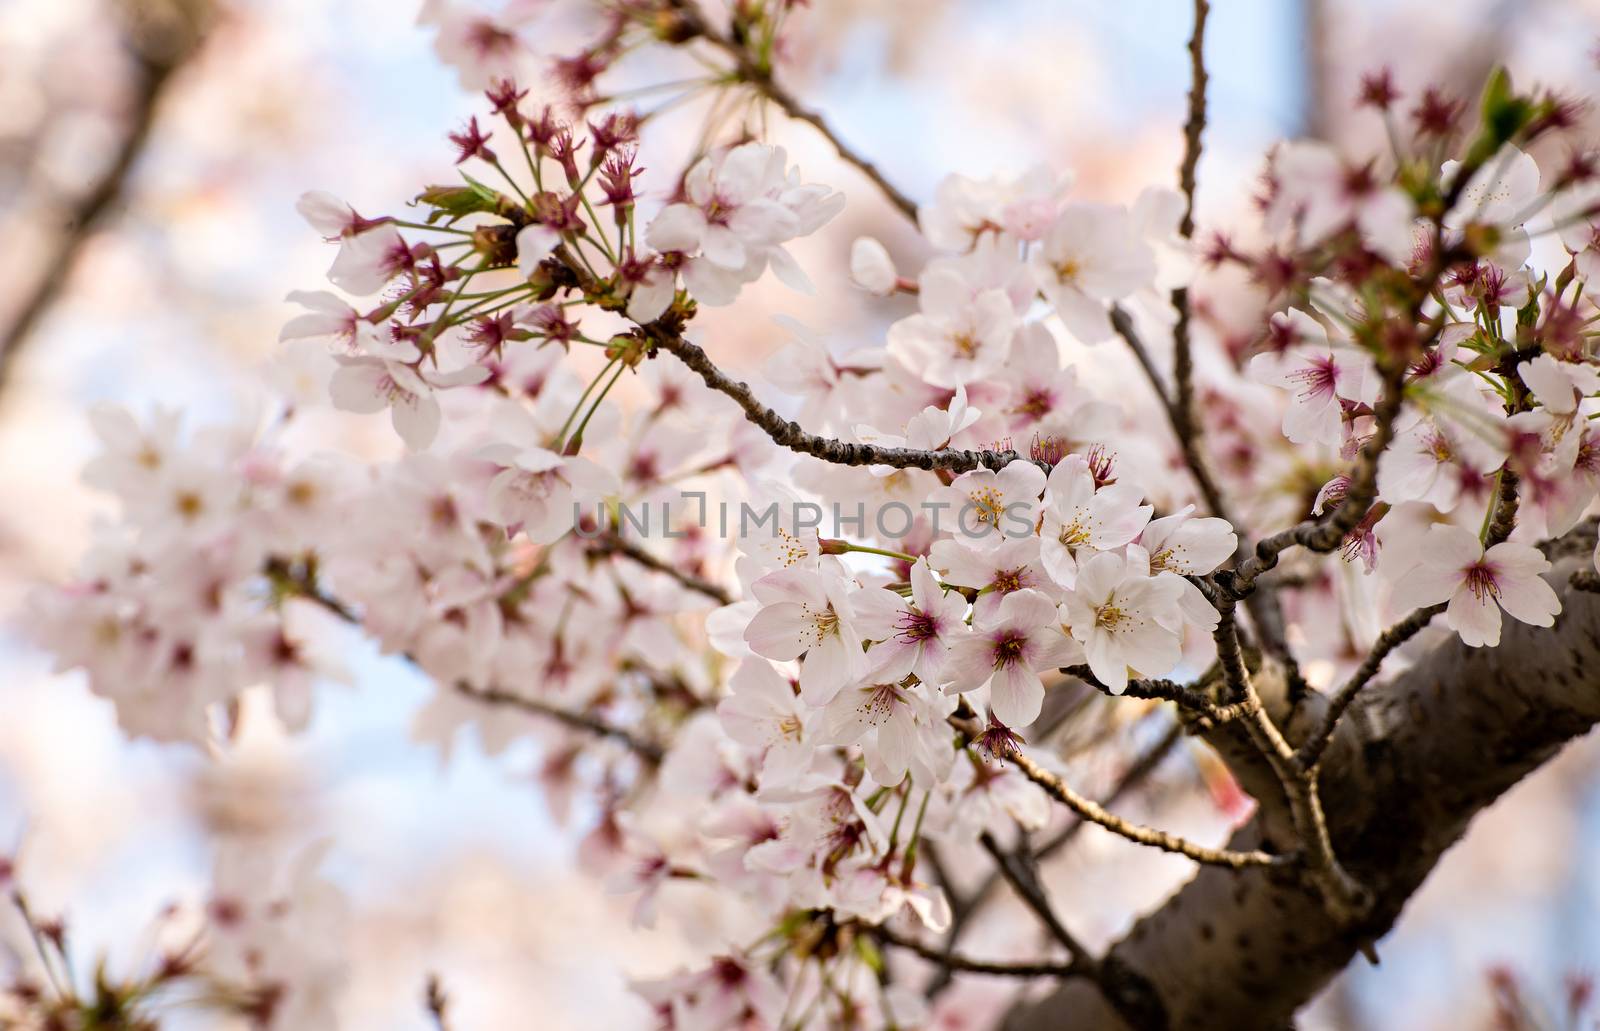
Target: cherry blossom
[994,572]
[1323,379]
[1478,584]
[1006,652]
[763,712]
[826,618]
[954,339]
[1091,256]
[871,268]
[989,507]
[1077,516]
[1328,194]
[365,384]
[1125,618]
[926,626]
[741,208]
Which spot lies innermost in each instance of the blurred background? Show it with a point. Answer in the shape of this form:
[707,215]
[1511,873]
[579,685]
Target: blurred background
[151,152]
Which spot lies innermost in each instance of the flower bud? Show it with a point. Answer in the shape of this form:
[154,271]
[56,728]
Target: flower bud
[871,267]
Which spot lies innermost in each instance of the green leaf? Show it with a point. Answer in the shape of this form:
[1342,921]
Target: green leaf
[454,202]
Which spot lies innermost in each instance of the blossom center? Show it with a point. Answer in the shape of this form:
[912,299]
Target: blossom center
[1112,617]
[1007,580]
[1074,534]
[916,626]
[1481,581]
[1009,649]
[987,501]
[1317,379]
[824,623]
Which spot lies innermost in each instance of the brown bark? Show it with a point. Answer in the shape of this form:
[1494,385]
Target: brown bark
[1412,762]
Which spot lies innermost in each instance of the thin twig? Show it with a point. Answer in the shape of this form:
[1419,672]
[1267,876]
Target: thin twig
[1312,748]
[437,1002]
[1125,990]
[612,544]
[1193,129]
[1135,775]
[1345,897]
[648,751]
[790,434]
[1191,699]
[1182,424]
[759,77]
[967,965]
[1019,873]
[1092,811]
[1325,534]
[157,60]
[964,910]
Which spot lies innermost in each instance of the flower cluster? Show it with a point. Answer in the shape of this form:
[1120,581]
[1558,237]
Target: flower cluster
[833,702]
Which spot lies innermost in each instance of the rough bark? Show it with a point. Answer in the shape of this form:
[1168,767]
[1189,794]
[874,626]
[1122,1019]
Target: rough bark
[1412,762]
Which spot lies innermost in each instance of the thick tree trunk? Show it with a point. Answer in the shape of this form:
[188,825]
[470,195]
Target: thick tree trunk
[1412,762]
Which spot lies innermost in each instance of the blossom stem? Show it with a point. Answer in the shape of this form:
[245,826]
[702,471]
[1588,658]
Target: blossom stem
[562,432]
[894,831]
[862,549]
[498,167]
[402,223]
[577,434]
[599,234]
[916,837]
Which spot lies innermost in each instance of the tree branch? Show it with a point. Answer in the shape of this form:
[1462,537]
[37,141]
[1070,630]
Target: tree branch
[1092,811]
[612,544]
[1345,897]
[1387,642]
[1193,129]
[1403,782]
[648,751]
[965,965]
[157,54]
[790,435]
[759,77]
[964,910]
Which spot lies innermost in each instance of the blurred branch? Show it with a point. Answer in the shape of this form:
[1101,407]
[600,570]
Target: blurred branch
[437,1003]
[1316,117]
[978,966]
[759,76]
[292,584]
[1193,129]
[612,544]
[161,36]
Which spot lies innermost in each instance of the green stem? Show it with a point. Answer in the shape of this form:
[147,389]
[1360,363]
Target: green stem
[865,550]
[577,434]
[432,229]
[561,433]
[894,832]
